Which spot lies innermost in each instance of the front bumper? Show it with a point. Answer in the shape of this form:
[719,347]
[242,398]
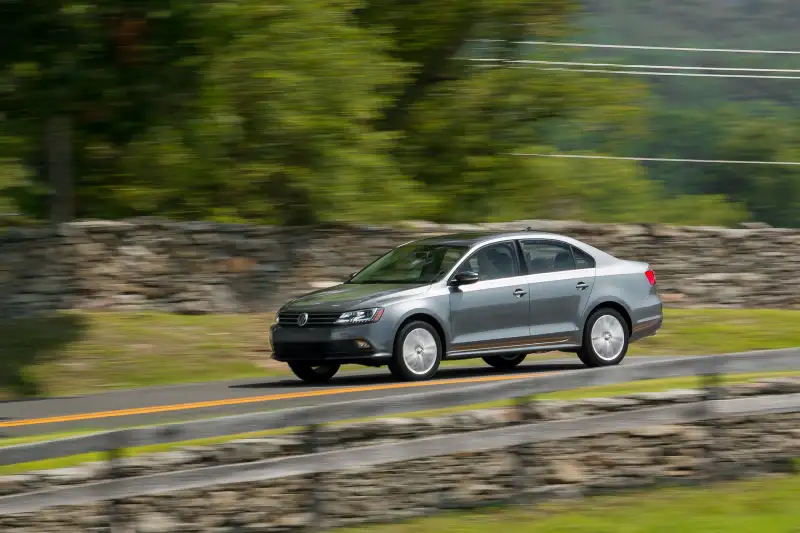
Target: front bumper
[360,344]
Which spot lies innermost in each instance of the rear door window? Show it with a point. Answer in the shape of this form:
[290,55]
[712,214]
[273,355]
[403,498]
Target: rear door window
[543,257]
[582,259]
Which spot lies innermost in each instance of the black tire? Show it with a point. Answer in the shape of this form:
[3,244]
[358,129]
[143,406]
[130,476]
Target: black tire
[505,362]
[589,354]
[400,367]
[311,373]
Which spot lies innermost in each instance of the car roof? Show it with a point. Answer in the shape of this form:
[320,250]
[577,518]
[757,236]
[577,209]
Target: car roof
[477,238]
[474,238]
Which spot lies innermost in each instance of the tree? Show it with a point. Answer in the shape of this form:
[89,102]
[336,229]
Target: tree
[284,129]
[294,112]
[772,193]
[104,70]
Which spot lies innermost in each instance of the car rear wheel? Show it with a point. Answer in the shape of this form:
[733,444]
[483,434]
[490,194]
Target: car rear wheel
[417,352]
[605,339]
[311,373]
[505,362]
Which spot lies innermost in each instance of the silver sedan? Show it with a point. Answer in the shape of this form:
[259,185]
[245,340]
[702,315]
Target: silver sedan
[493,296]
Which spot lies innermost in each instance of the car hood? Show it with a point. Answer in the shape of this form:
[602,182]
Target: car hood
[350,296]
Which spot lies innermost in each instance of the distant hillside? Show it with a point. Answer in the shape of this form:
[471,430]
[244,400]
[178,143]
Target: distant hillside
[701,117]
[738,24]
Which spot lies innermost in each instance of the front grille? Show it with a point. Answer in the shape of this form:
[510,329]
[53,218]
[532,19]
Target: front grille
[314,351]
[302,350]
[289,319]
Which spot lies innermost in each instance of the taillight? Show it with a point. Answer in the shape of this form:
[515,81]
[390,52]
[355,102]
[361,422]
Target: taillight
[651,276]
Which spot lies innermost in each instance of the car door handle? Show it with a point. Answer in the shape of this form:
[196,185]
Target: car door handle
[581,285]
[519,293]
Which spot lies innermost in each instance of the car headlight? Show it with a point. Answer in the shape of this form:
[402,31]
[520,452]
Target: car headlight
[362,316]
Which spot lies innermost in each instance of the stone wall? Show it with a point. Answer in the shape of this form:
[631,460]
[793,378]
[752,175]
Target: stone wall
[203,267]
[571,467]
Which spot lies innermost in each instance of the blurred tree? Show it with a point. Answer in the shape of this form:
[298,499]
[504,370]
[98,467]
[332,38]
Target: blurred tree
[605,191]
[431,35]
[301,112]
[104,69]
[461,121]
[711,118]
[772,193]
[745,24]
[284,131]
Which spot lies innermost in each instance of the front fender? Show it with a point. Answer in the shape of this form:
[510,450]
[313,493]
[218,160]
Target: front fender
[431,314]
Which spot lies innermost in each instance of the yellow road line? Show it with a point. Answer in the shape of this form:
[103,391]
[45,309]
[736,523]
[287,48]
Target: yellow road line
[257,399]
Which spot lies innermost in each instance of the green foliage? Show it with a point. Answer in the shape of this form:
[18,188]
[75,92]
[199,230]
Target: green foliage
[464,134]
[283,130]
[613,191]
[713,118]
[297,112]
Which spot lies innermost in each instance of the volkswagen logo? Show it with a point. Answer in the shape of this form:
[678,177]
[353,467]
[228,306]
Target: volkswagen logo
[302,319]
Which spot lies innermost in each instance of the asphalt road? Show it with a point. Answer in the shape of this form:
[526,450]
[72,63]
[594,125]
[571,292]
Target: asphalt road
[136,407]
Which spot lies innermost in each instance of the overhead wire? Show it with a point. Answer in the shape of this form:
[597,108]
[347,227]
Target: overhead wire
[561,66]
[623,65]
[659,159]
[642,47]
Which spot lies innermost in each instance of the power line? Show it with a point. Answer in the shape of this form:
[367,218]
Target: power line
[653,73]
[622,65]
[639,47]
[661,159]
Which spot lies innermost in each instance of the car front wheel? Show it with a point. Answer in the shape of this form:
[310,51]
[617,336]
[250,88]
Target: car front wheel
[417,352]
[605,339]
[311,373]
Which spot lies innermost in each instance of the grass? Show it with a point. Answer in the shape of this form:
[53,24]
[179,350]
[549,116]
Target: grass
[83,352]
[766,505]
[711,331]
[80,352]
[577,394]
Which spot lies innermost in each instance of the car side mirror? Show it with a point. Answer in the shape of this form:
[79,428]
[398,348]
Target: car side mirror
[464,278]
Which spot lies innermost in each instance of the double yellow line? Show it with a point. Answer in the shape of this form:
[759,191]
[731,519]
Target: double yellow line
[256,399]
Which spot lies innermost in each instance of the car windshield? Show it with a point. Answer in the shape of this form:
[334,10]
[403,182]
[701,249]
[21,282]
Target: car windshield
[412,263]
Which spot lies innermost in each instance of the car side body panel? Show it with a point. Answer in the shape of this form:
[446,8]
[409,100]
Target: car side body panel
[624,284]
[558,300]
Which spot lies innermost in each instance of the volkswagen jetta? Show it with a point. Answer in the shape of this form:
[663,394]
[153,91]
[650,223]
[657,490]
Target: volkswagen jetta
[493,296]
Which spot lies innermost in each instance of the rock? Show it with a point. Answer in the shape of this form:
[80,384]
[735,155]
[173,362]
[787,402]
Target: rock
[174,458]
[673,297]
[135,251]
[754,225]
[566,472]
[95,226]
[547,410]
[236,268]
[613,404]
[156,523]
[654,432]
[16,483]
[68,476]
[193,307]
[295,520]
[787,385]
[660,398]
